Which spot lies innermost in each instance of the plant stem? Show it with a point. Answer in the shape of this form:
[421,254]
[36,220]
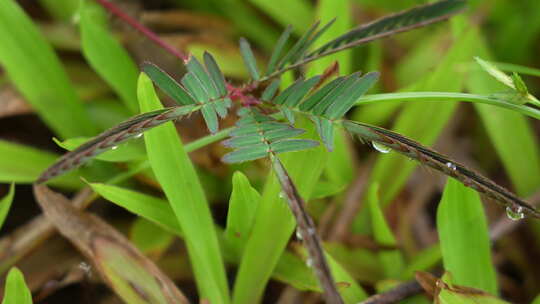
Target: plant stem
[113,9]
[442,96]
[307,230]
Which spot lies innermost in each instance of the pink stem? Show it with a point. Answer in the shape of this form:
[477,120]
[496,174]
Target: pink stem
[142,29]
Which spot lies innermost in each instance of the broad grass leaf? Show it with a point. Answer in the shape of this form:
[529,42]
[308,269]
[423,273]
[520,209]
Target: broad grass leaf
[29,165]
[106,55]
[38,75]
[125,152]
[243,205]
[391,260]
[5,204]
[464,238]
[16,291]
[151,208]
[177,176]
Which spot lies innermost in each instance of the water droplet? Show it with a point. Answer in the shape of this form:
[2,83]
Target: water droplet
[138,135]
[281,195]
[114,147]
[381,148]
[298,235]
[309,263]
[452,166]
[86,268]
[515,213]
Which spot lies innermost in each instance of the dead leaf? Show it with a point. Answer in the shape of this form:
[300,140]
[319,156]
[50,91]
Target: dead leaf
[128,272]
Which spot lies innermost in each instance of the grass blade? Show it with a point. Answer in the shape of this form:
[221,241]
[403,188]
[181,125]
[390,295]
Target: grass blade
[31,163]
[298,12]
[16,291]
[242,208]
[106,55]
[36,72]
[153,209]
[177,176]
[462,228]
[124,153]
[391,260]
[5,204]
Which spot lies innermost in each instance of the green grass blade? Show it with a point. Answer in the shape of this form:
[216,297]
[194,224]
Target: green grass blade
[125,152]
[16,291]
[448,96]
[151,208]
[242,208]
[5,204]
[106,55]
[249,59]
[36,72]
[268,240]
[464,238]
[289,269]
[391,260]
[327,10]
[31,162]
[61,10]
[525,70]
[177,176]
[151,239]
[298,12]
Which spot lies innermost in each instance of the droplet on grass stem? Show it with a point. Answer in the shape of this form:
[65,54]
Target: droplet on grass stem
[515,213]
[381,148]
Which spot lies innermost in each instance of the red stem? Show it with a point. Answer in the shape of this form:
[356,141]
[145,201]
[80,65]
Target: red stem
[142,29]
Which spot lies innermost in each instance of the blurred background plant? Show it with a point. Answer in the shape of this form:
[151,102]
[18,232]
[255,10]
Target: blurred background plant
[70,71]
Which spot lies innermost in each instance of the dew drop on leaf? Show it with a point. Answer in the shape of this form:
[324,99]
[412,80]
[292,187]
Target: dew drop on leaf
[381,148]
[114,147]
[515,213]
[138,135]
[309,263]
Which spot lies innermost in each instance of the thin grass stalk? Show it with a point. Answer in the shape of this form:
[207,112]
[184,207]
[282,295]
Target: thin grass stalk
[308,232]
[443,164]
[111,138]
